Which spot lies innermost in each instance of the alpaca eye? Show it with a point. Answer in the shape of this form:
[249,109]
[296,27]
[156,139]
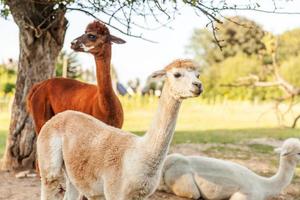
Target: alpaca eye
[91,37]
[177,75]
[198,76]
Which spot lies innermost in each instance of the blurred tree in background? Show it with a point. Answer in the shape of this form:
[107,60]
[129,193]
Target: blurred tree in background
[290,70]
[288,45]
[67,66]
[237,35]
[8,76]
[254,65]
[8,72]
[244,53]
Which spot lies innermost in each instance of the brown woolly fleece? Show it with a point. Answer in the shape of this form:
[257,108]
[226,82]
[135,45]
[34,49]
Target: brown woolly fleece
[56,95]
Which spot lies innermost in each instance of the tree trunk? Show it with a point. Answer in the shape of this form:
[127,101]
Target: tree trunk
[42,30]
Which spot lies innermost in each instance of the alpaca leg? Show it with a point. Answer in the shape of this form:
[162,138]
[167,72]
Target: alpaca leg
[109,195]
[51,184]
[111,190]
[239,196]
[71,192]
[52,177]
[50,188]
[98,198]
[186,186]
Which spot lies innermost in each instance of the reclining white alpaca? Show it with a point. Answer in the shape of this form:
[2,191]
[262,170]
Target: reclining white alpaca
[102,160]
[214,179]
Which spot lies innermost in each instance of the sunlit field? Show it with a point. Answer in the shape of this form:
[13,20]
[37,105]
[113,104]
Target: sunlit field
[199,121]
[4,123]
[198,114]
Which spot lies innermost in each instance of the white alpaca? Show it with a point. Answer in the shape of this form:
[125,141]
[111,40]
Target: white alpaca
[215,179]
[102,160]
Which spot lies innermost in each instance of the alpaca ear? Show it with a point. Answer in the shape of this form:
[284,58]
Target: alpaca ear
[116,40]
[282,152]
[278,150]
[285,152]
[158,74]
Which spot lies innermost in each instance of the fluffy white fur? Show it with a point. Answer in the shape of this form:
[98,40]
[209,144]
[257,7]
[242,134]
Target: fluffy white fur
[215,179]
[99,159]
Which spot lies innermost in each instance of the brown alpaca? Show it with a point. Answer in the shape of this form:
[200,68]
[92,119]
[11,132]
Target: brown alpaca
[56,95]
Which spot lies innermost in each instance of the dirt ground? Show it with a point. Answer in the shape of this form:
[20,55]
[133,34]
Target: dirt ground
[258,158]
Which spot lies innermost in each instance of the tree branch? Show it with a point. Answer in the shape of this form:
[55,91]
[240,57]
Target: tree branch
[109,24]
[251,80]
[262,11]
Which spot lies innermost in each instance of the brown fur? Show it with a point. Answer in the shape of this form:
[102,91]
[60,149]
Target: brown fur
[30,94]
[98,27]
[182,63]
[55,95]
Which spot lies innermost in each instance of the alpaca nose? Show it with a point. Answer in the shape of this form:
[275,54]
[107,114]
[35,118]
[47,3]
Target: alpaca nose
[73,42]
[198,85]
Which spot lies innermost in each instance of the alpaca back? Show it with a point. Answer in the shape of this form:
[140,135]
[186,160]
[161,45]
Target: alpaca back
[222,172]
[87,147]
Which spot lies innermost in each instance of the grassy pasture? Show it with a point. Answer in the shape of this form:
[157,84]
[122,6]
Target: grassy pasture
[199,121]
[4,123]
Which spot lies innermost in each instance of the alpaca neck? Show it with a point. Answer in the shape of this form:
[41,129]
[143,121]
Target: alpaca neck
[157,139]
[105,89]
[284,175]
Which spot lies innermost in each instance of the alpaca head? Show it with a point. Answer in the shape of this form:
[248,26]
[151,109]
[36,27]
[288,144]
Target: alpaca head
[290,149]
[94,38]
[181,79]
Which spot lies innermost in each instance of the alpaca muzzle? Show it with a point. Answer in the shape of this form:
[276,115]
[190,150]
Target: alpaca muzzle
[76,44]
[199,88]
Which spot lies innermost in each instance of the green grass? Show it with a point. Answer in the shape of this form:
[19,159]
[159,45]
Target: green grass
[197,115]
[2,142]
[260,148]
[199,122]
[228,136]
[4,123]
[228,152]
